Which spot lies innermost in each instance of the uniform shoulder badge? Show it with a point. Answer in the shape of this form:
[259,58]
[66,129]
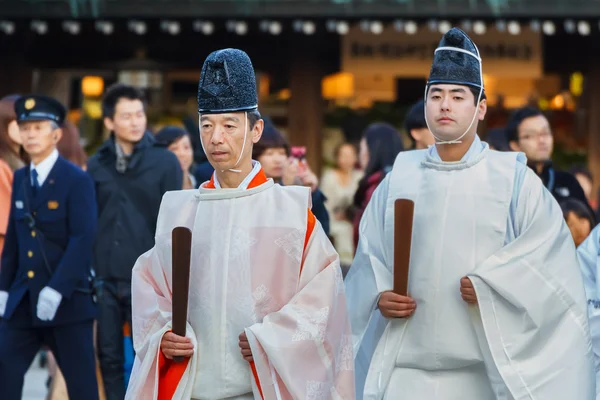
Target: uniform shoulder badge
[52,205]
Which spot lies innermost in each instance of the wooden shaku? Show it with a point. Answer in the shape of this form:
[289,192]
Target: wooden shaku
[403,225]
[181,254]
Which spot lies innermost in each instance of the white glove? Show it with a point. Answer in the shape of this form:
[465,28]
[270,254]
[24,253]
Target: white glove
[3,300]
[48,303]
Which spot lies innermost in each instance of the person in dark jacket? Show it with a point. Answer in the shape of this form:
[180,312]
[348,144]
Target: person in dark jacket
[131,175]
[45,290]
[528,130]
[379,147]
[272,151]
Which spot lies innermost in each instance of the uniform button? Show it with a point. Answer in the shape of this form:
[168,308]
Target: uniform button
[32,233]
[30,274]
[30,254]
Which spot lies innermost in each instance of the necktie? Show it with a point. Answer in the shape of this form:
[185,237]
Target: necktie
[34,181]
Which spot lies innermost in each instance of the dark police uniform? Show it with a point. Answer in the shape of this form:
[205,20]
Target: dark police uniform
[49,244]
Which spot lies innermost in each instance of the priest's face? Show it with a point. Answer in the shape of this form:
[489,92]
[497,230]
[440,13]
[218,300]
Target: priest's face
[451,110]
[226,136]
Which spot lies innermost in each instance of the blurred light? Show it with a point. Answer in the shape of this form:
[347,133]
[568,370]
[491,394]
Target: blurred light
[206,27]
[514,28]
[411,27]
[557,102]
[342,28]
[501,25]
[535,25]
[466,25]
[105,27]
[138,27]
[7,27]
[92,86]
[73,27]
[376,27]
[308,27]
[399,25]
[444,26]
[172,27]
[275,28]
[570,26]
[548,28]
[241,28]
[331,25]
[576,84]
[432,24]
[583,27]
[365,25]
[40,27]
[479,27]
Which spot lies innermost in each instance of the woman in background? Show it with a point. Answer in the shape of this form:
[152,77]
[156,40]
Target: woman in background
[339,185]
[11,158]
[178,141]
[579,219]
[69,145]
[379,147]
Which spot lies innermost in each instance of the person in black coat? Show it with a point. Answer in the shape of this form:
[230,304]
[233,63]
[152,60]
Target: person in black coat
[45,279]
[131,175]
[528,131]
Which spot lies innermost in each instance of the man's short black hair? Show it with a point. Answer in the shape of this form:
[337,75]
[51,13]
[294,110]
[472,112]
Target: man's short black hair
[512,126]
[473,90]
[117,92]
[253,117]
[415,119]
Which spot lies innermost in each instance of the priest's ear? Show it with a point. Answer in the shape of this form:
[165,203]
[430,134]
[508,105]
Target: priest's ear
[481,109]
[257,129]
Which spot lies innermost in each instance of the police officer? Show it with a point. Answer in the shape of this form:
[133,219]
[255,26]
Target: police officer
[45,286]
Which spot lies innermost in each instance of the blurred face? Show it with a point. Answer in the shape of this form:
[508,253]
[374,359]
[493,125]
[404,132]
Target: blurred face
[534,139]
[223,138]
[273,162]
[14,132]
[39,138]
[450,110]
[423,138]
[580,228]
[347,157]
[182,148]
[363,153]
[129,121]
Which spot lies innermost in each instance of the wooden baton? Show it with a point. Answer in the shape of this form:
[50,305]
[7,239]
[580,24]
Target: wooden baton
[180,255]
[403,225]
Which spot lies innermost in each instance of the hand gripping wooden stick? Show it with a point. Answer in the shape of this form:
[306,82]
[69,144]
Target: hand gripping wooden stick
[180,253]
[403,225]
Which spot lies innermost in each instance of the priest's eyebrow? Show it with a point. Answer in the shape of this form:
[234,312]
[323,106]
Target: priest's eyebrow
[455,90]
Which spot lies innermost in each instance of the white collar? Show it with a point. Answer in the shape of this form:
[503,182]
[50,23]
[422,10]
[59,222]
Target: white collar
[43,169]
[244,185]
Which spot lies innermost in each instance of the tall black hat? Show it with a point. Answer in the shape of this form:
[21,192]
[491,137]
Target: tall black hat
[227,83]
[456,61]
[38,107]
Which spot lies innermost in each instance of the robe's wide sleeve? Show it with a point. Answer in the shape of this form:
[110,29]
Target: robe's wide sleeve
[587,253]
[368,276]
[533,307]
[151,297]
[304,350]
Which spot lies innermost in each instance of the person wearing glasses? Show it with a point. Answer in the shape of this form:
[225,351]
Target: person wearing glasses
[529,131]
[46,296]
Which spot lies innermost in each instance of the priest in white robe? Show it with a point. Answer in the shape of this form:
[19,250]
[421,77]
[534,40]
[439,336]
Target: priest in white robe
[588,254]
[267,316]
[496,307]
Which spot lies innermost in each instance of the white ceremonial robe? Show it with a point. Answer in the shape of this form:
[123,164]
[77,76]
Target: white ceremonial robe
[487,217]
[588,253]
[250,271]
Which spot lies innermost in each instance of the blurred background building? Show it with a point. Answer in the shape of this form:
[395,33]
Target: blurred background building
[326,68]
